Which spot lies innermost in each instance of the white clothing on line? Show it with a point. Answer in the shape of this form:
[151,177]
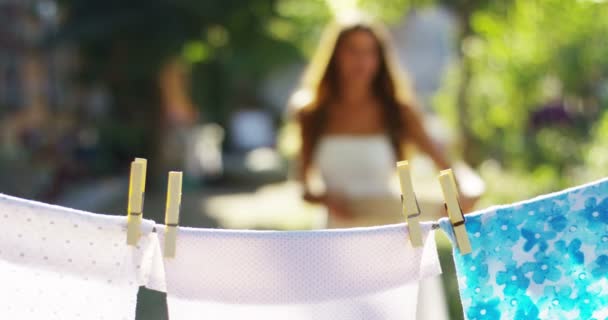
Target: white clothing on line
[360,273]
[59,263]
[362,170]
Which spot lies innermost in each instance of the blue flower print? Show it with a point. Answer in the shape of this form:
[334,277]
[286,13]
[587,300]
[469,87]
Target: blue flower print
[503,251]
[511,214]
[500,237]
[603,209]
[479,293]
[537,216]
[505,230]
[571,252]
[596,215]
[526,308]
[528,313]
[558,223]
[537,237]
[602,267]
[602,245]
[588,302]
[559,298]
[594,218]
[590,203]
[544,268]
[577,230]
[477,236]
[542,259]
[514,280]
[484,310]
[581,279]
[557,220]
[476,269]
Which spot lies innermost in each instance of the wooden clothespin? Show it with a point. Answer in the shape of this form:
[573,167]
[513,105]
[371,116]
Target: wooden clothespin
[450,193]
[135,209]
[411,210]
[174,201]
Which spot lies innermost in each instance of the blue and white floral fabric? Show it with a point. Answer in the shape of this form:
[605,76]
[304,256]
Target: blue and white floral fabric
[546,258]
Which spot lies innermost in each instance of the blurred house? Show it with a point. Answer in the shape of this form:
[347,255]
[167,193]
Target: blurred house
[425,42]
[38,120]
[32,73]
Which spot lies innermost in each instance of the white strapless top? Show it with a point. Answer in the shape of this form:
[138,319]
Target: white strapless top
[357,165]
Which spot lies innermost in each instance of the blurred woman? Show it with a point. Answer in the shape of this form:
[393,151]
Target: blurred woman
[358,117]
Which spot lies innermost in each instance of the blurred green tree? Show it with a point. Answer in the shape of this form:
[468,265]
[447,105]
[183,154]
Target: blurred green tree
[126,44]
[532,82]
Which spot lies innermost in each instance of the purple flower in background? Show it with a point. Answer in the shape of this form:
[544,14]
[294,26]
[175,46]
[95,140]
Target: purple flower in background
[553,113]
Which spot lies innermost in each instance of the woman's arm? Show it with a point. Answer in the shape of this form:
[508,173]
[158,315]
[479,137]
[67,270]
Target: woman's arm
[415,129]
[335,203]
[305,157]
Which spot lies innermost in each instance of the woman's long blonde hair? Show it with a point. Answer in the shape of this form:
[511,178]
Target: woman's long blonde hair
[318,85]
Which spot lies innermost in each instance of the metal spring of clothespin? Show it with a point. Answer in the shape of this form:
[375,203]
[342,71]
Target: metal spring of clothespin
[450,194]
[174,201]
[409,203]
[135,208]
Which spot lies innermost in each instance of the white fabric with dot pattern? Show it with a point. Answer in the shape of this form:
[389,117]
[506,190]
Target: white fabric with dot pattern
[59,263]
[359,273]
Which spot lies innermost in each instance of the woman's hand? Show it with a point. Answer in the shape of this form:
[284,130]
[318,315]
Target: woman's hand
[335,204]
[467,203]
[313,198]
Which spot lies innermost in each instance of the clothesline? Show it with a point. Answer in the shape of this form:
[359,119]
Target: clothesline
[544,258]
[63,260]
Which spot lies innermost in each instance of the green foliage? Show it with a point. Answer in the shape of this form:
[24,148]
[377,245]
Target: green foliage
[518,56]
[301,22]
[596,152]
[228,45]
[525,57]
